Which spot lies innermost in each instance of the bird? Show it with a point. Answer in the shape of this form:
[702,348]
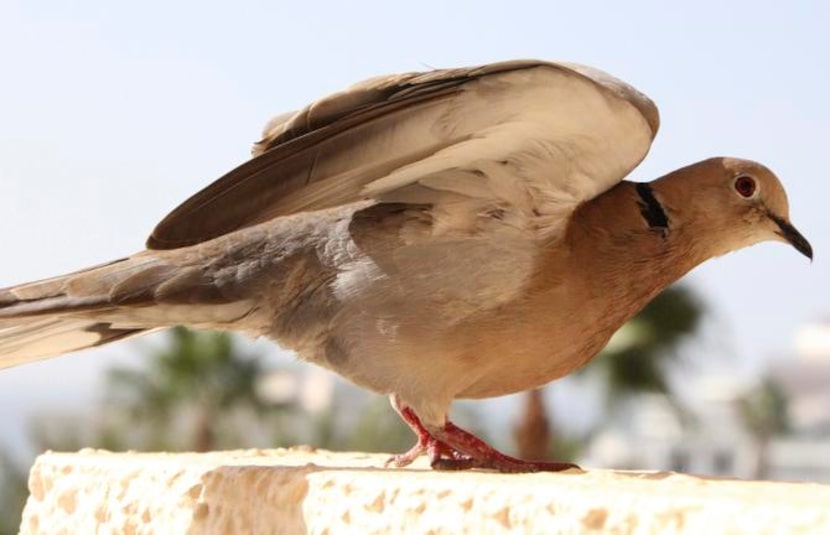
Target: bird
[457,233]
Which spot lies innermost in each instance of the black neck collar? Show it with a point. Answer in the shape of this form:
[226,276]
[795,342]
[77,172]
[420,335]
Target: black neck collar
[650,208]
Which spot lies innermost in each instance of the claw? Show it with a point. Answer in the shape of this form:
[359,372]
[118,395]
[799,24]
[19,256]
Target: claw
[405,459]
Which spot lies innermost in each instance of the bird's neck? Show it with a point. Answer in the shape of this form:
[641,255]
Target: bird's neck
[626,248]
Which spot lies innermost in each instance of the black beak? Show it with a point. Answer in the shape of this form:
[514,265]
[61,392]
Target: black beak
[789,233]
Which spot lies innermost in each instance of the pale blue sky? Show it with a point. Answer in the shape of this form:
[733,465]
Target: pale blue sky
[112,113]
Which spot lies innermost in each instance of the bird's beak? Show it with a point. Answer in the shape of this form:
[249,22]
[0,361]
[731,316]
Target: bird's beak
[787,231]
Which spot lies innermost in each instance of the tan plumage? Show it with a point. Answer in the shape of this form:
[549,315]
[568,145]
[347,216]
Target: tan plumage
[455,233]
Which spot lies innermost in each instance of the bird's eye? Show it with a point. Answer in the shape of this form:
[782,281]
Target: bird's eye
[746,186]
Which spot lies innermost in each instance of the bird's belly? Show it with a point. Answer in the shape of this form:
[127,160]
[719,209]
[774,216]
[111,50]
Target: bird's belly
[414,346]
[535,358]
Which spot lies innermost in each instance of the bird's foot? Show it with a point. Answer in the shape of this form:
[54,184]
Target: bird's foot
[451,448]
[405,459]
[478,454]
[507,465]
[440,455]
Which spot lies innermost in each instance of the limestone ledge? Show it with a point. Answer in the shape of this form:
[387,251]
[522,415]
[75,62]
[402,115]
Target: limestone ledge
[301,490]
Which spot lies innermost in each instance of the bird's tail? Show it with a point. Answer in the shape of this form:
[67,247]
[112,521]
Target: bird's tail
[103,304]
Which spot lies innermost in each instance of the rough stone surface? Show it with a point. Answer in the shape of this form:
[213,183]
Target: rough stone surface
[306,491]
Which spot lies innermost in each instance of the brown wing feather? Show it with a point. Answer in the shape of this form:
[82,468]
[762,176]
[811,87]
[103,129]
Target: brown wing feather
[326,153]
[285,158]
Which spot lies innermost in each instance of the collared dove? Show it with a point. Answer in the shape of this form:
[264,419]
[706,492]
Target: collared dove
[460,233]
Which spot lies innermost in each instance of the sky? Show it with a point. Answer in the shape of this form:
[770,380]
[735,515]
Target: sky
[113,113]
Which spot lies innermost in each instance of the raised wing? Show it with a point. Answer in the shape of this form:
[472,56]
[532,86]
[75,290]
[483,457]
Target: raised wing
[529,139]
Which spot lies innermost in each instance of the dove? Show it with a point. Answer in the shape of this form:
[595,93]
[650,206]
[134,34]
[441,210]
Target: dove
[452,234]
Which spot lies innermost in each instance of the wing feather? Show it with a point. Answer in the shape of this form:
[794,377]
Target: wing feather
[533,136]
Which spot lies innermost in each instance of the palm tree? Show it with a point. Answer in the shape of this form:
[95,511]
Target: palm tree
[639,364]
[202,372]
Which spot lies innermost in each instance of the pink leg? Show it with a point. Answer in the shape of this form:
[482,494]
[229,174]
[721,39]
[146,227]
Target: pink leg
[451,448]
[424,438]
[482,455]
[435,449]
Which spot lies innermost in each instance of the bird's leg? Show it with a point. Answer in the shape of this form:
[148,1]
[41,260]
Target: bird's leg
[424,438]
[478,454]
[451,448]
[435,449]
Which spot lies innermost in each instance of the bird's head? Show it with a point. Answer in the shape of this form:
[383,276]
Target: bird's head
[734,203]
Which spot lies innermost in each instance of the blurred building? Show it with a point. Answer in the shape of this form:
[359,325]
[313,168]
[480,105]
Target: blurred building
[805,452]
[708,439]
[714,437]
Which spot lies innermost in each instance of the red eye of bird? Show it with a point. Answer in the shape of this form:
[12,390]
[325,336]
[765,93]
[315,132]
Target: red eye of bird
[745,186]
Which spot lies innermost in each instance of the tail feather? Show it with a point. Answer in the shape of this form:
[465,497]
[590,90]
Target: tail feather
[41,338]
[107,303]
[83,290]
